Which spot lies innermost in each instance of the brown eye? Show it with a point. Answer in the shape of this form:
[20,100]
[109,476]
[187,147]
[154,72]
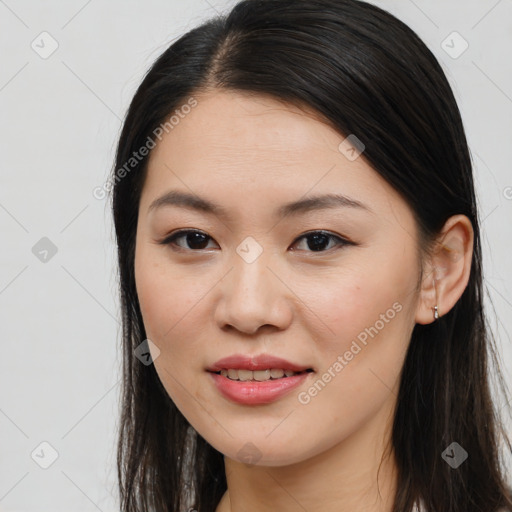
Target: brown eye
[318,241]
[194,240]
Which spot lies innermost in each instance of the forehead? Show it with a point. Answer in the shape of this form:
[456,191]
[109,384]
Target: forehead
[266,149]
[227,125]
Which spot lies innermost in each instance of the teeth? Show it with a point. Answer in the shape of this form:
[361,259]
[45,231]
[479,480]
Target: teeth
[244,375]
[257,375]
[261,375]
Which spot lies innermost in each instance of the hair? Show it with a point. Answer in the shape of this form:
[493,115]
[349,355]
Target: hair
[364,72]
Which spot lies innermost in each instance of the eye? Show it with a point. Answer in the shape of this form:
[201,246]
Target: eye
[195,239]
[316,241]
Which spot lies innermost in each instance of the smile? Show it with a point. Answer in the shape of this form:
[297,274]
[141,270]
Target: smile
[253,391]
[258,375]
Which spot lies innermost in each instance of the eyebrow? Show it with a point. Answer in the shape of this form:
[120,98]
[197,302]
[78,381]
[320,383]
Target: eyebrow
[197,203]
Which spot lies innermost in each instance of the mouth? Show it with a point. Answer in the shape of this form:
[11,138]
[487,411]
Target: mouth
[260,386]
[258,375]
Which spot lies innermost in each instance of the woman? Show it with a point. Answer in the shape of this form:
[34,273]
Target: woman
[300,274]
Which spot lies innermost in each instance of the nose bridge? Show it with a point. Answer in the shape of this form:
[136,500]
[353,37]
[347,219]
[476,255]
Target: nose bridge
[251,294]
[251,278]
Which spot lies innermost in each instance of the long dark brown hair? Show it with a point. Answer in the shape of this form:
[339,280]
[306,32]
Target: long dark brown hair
[364,72]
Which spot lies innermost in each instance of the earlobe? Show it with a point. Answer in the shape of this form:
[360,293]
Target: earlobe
[428,303]
[448,271]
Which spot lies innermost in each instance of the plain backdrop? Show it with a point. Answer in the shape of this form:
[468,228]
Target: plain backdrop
[60,118]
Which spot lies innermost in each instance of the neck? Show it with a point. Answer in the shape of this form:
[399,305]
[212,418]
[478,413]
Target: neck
[340,479]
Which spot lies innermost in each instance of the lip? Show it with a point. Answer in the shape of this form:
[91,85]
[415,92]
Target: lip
[259,362]
[254,392]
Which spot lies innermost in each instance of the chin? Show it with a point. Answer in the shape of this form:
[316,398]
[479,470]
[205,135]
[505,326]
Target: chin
[263,453]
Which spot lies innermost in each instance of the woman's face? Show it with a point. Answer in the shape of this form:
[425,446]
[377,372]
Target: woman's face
[329,287]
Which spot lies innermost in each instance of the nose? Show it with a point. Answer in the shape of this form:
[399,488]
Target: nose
[254,295]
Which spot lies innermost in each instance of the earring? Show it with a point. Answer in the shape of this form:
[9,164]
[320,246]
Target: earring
[434,309]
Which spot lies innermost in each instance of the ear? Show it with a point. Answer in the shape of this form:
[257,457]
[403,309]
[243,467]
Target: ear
[447,271]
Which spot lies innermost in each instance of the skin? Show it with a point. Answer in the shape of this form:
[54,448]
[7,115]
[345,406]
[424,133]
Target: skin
[252,154]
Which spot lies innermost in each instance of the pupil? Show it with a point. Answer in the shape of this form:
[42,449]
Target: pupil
[316,242]
[319,240]
[199,239]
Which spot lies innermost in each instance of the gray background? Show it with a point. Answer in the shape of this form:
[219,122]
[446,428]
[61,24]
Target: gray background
[60,117]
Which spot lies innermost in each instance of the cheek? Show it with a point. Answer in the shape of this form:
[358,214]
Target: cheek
[168,295]
[170,302]
[364,317]
[362,360]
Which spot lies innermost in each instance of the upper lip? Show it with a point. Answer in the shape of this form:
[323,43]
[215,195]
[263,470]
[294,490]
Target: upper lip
[259,362]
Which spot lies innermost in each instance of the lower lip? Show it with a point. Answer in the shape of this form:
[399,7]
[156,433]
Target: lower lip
[253,392]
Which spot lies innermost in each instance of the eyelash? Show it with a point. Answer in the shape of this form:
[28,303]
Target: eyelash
[341,242]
